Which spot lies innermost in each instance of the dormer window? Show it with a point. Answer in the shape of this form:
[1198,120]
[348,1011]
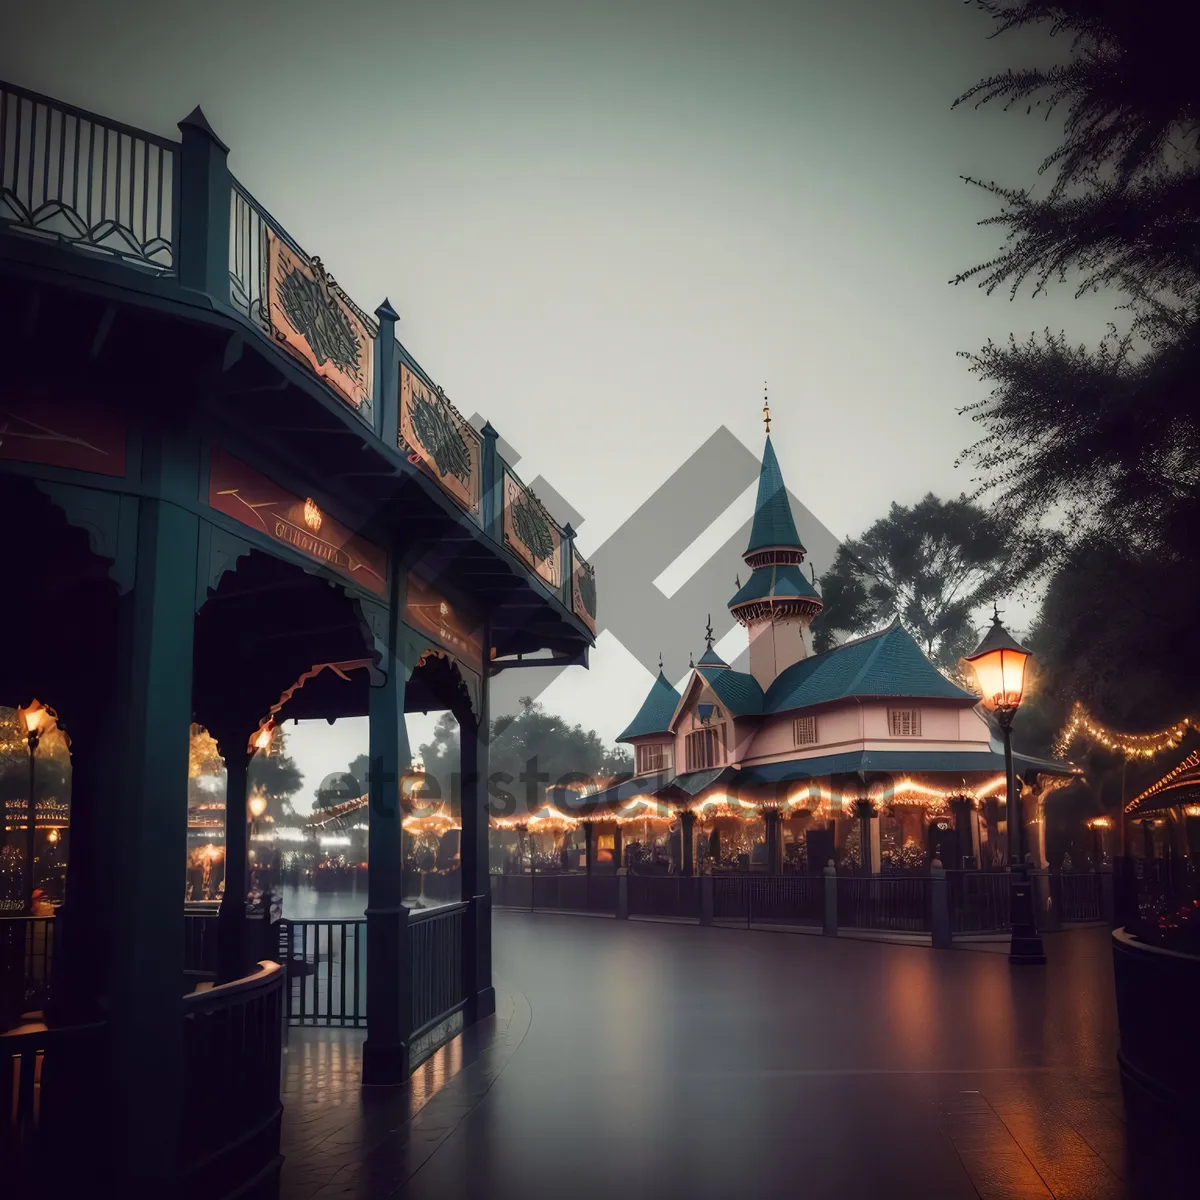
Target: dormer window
[653,758]
[904,722]
[705,748]
[804,730]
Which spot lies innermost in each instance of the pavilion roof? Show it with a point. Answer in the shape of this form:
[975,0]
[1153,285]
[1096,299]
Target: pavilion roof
[888,663]
[1180,785]
[909,761]
[779,581]
[656,712]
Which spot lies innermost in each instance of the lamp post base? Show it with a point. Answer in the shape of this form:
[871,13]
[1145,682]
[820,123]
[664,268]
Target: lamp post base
[1026,947]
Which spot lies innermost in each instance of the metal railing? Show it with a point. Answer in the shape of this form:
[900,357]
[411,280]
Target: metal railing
[772,899]
[556,892]
[665,896]
[1076,896]
[326,962]
[873,902]
[71,176]
[435,942]
[248,223]
[233,1041]
[978,901]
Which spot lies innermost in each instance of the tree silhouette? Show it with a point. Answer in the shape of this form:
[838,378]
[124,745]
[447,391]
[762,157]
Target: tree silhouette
[934,565]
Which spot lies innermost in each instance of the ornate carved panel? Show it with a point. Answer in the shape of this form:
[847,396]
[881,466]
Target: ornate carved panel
[531,532]
[583,589]
[315,320]
[436,438]
[110,521]
[254,500]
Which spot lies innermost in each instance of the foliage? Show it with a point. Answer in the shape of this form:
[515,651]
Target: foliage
[1104,439]
[530,751]
[272,770]
[933,565]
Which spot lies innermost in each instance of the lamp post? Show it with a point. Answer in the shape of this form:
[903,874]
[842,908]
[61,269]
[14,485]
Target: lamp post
[38,721]
[999,662]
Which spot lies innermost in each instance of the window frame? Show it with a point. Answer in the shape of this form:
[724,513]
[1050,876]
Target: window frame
[900,718]
[808,722]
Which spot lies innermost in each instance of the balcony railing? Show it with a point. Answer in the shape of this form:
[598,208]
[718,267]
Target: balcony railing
[233,1037]
[435,940]
[326,963]
[70,176]
[83,180]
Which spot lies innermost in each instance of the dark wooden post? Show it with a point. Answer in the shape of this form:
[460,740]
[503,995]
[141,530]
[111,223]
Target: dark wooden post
[589,846]
[687,829]
[618,847]
[154,699]
[387,390]
[492,470]
[202,244]
[774,830]
[232,957]
[389,975]
[964,813]
[475,751]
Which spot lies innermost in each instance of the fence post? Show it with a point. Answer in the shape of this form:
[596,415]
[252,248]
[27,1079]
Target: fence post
[939,907]
[622,913]
[829,926]
[706,899]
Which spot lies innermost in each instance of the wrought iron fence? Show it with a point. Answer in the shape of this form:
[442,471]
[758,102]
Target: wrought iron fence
[71,176]
[1076,896]
[557,892]
[326,963]
[435,939]
[778,899]
[248,223]
[866,902]
[665,896]
[978,901]
[200,941]
[232,1040]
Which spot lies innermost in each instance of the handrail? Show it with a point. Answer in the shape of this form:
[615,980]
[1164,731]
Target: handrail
[226,994]
[86,115]
[417,915]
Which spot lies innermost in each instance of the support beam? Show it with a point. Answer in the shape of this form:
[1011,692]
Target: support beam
[774,830]
[389,984]
[154,698]
[687,840]
[232,958]
[475,743]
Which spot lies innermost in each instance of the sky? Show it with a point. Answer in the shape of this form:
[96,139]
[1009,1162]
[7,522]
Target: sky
[604,225]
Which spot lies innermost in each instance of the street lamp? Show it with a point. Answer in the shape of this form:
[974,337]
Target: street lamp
[999,662]
[38,720]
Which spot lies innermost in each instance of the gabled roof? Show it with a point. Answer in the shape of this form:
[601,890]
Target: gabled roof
[737,690]
[656,712]
[888,663]
[783,581]
[773,523]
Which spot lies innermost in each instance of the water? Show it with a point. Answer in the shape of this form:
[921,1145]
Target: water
[307,904]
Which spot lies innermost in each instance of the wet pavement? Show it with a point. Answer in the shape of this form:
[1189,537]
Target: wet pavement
[640,1059]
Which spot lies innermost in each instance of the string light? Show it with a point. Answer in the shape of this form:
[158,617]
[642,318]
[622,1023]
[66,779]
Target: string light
[1131,745]
[1168,780]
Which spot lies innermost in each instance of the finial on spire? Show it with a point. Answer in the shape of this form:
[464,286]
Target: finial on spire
[766,409]
[995,612]
[708,633]
[691,660]
[660,662]
[737,582]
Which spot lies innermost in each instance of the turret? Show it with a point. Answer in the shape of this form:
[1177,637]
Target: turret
[777,603]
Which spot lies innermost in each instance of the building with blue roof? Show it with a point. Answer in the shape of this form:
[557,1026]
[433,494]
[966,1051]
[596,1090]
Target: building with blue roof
[866,752]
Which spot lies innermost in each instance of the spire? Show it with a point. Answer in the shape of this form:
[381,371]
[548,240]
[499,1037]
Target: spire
[660,666]
[773,523]
[766,409]
[691,660]
[708,633]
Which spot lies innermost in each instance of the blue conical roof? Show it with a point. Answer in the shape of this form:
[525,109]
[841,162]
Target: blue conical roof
[773,524]
[710,658]
[656,712]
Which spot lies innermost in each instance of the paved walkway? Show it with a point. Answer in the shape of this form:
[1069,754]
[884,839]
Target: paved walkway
[634,1059]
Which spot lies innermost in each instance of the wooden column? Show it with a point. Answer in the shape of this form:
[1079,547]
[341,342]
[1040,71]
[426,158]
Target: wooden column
[389,984]
[589,847]
[618,847]
[774,831]
[153,695]
[475,748]
[687,829]
[232,957]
